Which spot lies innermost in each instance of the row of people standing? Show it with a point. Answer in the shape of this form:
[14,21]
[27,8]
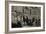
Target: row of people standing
[25,21]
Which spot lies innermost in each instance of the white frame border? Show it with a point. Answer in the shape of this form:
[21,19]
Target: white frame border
[31,28]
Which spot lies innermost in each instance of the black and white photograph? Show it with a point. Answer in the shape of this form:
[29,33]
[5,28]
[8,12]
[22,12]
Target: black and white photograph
[25,16]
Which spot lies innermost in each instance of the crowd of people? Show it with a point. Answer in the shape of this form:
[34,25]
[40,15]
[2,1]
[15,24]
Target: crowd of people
[26,22]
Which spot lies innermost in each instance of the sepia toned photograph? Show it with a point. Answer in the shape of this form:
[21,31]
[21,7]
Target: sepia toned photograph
[25,16]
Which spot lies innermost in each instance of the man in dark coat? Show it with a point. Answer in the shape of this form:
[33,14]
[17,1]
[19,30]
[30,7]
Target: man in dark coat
[26,20]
